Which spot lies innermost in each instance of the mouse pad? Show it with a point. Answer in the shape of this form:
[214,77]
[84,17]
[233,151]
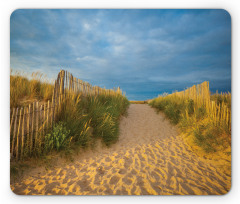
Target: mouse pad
[120,102]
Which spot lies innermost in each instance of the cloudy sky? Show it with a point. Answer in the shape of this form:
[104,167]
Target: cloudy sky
[145,52]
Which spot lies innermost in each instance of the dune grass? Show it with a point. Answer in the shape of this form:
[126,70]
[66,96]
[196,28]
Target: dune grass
[24,87]
[205,119]
[93,117]
[81,121]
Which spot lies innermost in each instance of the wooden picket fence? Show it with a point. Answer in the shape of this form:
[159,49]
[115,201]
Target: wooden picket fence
[200,94]
[29,125]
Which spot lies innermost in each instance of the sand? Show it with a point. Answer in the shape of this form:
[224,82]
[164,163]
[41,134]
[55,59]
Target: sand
[150,158]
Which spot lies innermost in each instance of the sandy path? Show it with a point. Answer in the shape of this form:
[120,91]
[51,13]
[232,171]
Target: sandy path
[149,158]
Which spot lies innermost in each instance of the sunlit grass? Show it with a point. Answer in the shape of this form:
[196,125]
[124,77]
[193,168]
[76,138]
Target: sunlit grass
[24,87]
[205,118]
[93,117]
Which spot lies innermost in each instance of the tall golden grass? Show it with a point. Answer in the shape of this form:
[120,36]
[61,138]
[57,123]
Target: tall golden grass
[218,113]
[204,118]
[25,87]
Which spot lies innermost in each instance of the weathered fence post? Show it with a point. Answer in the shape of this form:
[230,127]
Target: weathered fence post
[44,118]
[33,116]
[36,131]
[41,128]
[18,134]
[28,126]
[13,114]
[23,124]
[14,131]
[48,114]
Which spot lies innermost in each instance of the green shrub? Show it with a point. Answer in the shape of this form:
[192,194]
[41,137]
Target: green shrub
[58,139]
[173,112]
[207,136]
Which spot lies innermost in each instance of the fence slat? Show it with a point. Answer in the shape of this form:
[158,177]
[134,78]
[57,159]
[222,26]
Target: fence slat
[14,132]
[63,80]
[54,101]
[41,127]
[23,124]
[52,107]
[13,114]
[69,83]
[28,126]
[33,121]
[48,114]
[36,131]
[72,79]
[66,84]
[60,97]
[18,134]
[44,118]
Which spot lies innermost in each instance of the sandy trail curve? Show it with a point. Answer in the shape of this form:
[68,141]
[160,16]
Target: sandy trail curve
[149,159]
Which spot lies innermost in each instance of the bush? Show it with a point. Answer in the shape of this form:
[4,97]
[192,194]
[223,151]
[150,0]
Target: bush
[171,109]
[58,139]
[207,136]
[173,112]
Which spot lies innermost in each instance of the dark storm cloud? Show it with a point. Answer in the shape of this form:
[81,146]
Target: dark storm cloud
[145,52]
